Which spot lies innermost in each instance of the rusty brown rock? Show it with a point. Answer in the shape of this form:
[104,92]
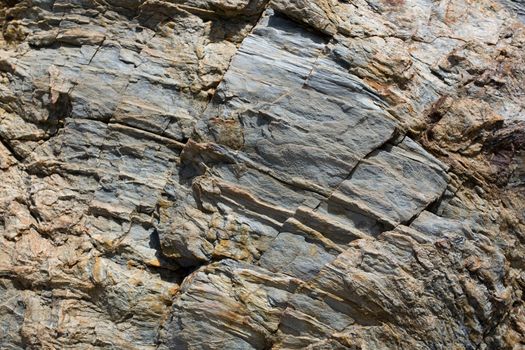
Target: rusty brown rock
[262,174]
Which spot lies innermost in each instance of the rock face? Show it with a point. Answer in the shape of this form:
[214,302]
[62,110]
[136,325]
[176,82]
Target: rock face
[262,174]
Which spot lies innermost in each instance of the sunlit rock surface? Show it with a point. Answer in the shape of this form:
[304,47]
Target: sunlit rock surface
[262,174]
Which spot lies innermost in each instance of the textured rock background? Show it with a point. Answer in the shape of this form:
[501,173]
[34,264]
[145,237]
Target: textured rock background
[254,174]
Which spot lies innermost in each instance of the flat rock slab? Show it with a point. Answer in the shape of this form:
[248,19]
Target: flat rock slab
[278,90]
[294,139]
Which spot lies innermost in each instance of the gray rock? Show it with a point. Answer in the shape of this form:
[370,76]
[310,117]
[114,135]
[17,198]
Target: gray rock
[261,174]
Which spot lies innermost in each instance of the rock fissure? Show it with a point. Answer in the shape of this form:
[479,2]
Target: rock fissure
[261,175]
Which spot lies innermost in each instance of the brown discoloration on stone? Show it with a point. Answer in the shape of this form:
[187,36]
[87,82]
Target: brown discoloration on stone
[227,132]
[172,177]
[395,2]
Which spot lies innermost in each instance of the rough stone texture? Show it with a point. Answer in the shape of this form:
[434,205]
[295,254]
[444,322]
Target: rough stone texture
[262,174]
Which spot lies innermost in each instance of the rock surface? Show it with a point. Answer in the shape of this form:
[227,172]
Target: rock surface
[262,174]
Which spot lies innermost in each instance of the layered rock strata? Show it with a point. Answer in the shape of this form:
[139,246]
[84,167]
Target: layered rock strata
[257,174]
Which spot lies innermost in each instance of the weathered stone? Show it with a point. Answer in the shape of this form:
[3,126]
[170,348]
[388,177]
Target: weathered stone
[262,174]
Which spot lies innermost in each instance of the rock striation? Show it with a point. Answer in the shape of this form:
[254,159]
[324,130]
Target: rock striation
[262,174]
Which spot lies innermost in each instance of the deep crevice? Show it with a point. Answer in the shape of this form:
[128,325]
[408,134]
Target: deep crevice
[11,150]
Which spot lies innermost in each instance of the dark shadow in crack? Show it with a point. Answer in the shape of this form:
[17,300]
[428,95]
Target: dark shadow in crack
[289,25]
[169,270]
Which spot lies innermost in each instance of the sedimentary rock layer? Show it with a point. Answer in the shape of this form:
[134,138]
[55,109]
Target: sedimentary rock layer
[262,174]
